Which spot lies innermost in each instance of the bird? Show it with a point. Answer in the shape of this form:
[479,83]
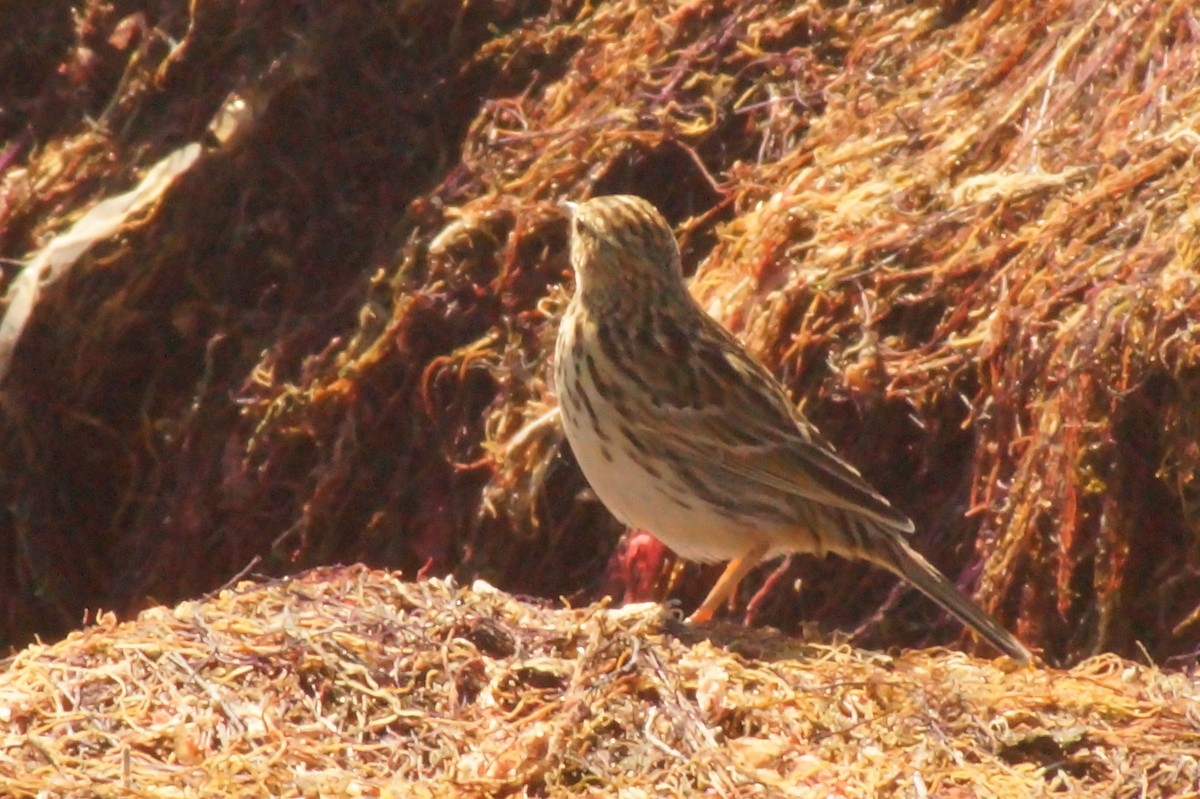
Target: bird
[682,433]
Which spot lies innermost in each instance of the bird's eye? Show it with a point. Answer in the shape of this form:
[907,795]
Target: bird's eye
[577,226]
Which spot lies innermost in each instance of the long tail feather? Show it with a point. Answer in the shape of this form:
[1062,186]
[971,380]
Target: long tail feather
[898,557]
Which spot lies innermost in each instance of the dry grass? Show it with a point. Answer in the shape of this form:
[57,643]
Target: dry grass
[352,682]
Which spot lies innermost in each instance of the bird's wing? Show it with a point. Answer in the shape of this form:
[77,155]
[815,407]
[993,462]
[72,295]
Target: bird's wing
[810,469]
[721,404]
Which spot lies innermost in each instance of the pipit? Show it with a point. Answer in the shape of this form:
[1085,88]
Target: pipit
[682,433]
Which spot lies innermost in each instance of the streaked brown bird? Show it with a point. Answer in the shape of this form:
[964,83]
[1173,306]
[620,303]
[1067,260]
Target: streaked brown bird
[682,433]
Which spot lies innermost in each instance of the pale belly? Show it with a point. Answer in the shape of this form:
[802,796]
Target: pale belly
[642,487]
[646,501]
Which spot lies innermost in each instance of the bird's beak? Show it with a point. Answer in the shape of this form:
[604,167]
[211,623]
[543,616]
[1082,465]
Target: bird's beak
[568,206]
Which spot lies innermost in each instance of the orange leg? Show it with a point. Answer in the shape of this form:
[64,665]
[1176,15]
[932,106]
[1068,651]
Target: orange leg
[728,583]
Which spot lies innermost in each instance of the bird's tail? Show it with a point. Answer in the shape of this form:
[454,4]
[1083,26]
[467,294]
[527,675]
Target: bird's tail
[895,555]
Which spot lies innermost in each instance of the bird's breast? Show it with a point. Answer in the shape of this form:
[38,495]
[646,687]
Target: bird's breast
[633,469]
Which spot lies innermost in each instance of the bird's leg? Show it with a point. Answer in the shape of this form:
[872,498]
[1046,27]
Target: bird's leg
[728,582]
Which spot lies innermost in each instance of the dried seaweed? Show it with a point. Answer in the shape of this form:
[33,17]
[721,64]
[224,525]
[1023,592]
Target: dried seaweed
[356,682]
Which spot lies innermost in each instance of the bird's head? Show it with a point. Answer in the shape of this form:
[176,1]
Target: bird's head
[620,244]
